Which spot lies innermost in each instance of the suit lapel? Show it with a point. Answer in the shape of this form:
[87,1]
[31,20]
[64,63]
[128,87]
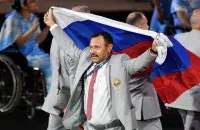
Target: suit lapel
[78,83]
[84,63]
[82,69]
[107,75]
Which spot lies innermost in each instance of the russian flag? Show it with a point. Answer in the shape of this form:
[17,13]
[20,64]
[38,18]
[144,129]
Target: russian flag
[179,72]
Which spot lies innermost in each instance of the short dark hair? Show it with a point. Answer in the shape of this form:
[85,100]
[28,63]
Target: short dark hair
[134,18]
[106,36]
[17,5]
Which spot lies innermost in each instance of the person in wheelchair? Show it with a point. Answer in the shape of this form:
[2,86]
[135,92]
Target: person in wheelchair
[21,29]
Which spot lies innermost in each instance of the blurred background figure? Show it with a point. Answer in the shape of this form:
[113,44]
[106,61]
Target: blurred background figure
[181,11]
[161,18]
[143,94]
[22,31]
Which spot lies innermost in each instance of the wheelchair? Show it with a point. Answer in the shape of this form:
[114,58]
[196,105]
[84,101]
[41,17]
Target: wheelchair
[20,83]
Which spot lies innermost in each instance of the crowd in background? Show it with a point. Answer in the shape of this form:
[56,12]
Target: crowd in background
[173,16]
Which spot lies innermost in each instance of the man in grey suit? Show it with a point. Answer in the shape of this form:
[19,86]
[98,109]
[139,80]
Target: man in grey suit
[63,71]
[188,104]
[104,74]
[60,80]
[143,94]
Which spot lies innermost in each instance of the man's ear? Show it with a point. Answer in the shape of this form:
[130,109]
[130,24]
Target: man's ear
[109,47]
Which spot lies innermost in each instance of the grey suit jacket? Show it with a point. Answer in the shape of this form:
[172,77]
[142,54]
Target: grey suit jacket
[63,70]
[144,98]
[189,100]
[119,66]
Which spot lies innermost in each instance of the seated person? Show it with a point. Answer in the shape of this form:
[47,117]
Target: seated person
[181,11]
[21,28]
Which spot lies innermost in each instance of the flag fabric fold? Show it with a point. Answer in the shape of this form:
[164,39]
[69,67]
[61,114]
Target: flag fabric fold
[179,72]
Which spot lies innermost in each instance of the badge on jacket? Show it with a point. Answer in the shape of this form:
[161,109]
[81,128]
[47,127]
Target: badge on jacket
[116,82]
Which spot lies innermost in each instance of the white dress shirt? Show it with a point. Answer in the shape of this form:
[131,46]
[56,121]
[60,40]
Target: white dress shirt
[102,112]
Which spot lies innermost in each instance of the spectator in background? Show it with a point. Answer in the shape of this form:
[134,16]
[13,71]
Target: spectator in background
[143,94]
[161,17]
[181,11]
[21,28]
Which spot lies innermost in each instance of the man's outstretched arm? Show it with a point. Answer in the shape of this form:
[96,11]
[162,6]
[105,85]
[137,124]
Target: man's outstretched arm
[63,40]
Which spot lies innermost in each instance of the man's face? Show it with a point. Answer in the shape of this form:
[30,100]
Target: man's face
[195,19]
[99,50]
[144,24]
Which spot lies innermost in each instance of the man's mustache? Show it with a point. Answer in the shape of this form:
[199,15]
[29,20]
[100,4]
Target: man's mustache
[94,55]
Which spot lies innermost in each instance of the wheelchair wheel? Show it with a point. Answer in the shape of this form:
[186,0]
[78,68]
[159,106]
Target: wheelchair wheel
[11,84]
